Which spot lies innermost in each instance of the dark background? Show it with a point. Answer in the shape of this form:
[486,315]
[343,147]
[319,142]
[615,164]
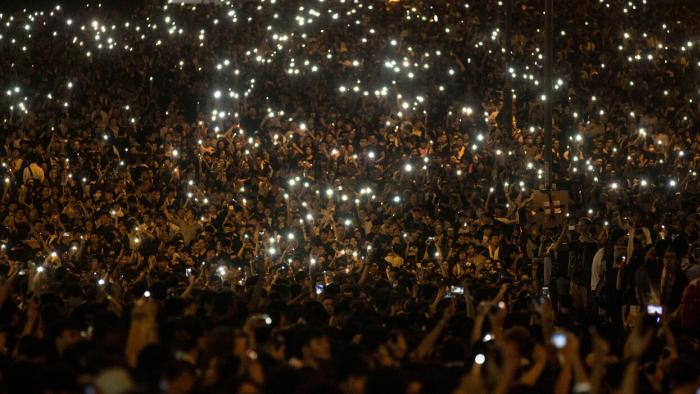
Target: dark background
[125,5]
[38,5]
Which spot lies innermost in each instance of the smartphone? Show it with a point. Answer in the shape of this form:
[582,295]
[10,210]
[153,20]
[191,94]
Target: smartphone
[655,309]
[319,288]
[495,308]
[264,317]
[559,340]
[545,291]
[457,290]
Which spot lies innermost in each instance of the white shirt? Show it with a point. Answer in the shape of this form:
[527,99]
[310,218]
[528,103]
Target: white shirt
[597,268]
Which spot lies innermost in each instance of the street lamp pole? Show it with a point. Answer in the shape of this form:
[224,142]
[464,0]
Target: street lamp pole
[507,86]
[548,54]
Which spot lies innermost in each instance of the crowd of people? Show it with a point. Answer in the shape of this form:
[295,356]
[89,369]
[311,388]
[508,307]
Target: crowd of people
[325,197]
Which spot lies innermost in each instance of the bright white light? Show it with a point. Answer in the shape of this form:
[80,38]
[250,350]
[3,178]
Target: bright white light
[480,359]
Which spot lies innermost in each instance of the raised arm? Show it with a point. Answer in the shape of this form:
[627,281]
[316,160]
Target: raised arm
[429,340]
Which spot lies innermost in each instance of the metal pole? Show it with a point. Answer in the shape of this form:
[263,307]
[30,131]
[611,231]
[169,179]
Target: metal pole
[507,87]
[548,53]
